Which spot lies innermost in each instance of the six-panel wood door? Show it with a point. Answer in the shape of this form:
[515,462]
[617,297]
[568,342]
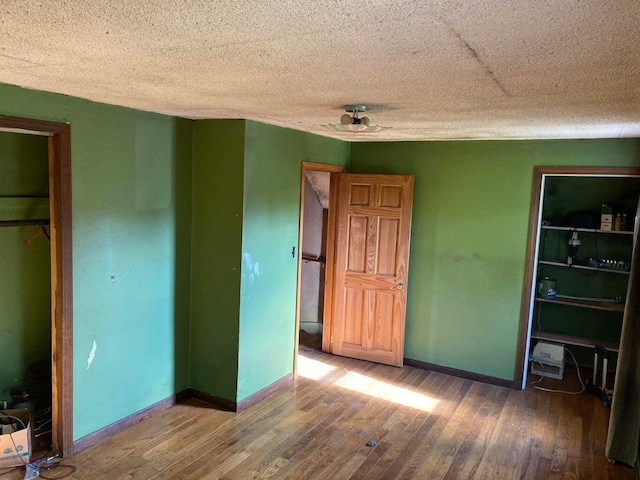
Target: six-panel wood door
[372,258]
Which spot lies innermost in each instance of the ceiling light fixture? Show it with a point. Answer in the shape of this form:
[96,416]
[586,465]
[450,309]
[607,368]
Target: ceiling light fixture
[354,123]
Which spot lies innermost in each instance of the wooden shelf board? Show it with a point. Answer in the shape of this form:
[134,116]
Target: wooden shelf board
[23,223]
[586,230]
[609,307]
[577,341]
[582,267]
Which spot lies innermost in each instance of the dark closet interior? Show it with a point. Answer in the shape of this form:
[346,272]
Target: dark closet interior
[25,276]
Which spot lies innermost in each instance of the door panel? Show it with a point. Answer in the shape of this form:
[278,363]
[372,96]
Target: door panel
[357,256]
[372,254]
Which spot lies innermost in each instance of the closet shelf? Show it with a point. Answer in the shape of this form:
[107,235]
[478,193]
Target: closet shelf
[37,222]
[607,306]
[25,197]
[571,340]
[583,267]
[586,230]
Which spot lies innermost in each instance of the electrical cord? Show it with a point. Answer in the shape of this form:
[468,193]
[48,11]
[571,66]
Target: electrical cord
[48,464]
[37,466]
[587,273]
[15,447]
[67,470]
[6,415]
[584,388]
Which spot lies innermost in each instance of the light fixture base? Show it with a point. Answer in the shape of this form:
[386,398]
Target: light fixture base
[353,123]
[355,108]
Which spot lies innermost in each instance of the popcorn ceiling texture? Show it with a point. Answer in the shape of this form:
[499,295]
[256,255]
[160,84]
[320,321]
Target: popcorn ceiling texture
[438,69]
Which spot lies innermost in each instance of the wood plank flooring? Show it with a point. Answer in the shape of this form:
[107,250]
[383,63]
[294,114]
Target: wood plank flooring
[426,425]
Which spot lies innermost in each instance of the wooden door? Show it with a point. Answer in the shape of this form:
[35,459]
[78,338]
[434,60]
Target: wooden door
[372,258]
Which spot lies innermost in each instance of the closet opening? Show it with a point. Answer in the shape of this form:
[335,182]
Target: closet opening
[580,245]
[45,213]
[315,265]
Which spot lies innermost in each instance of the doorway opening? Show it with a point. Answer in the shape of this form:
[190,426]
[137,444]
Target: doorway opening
[315,262]
[59,172]
[368,230]
[577,268]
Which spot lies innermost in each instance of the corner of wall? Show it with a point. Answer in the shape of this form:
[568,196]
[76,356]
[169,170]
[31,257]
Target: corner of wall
[217,219]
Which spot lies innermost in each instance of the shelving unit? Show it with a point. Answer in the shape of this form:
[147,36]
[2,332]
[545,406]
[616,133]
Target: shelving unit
[592,283]
[584,293]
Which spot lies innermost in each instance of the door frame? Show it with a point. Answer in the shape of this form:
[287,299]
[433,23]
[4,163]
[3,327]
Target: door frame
[526,305]
[59,139]
[333,170]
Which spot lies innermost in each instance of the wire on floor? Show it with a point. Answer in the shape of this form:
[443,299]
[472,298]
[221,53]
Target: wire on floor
[49,463]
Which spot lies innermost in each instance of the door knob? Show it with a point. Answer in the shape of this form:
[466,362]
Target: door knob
[399,286]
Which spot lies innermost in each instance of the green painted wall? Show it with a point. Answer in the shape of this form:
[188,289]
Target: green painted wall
[131,187]
[25,271]
[218,170]
[165,209]
[246,199]
[468,241]
[273,157]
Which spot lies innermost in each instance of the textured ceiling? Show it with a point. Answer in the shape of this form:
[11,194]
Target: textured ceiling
[439,69]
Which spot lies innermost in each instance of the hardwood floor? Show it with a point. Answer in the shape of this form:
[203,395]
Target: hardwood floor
[426,425]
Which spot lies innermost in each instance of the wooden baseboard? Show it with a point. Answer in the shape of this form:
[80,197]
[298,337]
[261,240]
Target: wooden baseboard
[265,392]
[213,400]
[459,373]
[230,406]
[103,434]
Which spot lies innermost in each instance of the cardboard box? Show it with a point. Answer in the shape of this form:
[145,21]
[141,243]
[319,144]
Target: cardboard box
[606,218]
[605,226]
[15,448]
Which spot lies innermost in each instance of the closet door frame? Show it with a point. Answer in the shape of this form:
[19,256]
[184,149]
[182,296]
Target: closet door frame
[59,137]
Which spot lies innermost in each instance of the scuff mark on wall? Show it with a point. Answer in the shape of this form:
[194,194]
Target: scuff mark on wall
[256,272]
[252,268]
[92,354]
[248,260]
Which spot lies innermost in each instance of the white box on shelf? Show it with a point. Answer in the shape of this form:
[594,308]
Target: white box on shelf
[547,360]
[605,226]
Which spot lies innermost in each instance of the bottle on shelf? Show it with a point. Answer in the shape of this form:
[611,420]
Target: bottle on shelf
[606,217]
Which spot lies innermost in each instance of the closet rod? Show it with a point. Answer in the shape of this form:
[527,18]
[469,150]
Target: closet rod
[38,222]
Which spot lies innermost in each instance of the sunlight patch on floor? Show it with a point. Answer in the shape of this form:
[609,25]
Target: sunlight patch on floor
[313,369]
[386,391]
